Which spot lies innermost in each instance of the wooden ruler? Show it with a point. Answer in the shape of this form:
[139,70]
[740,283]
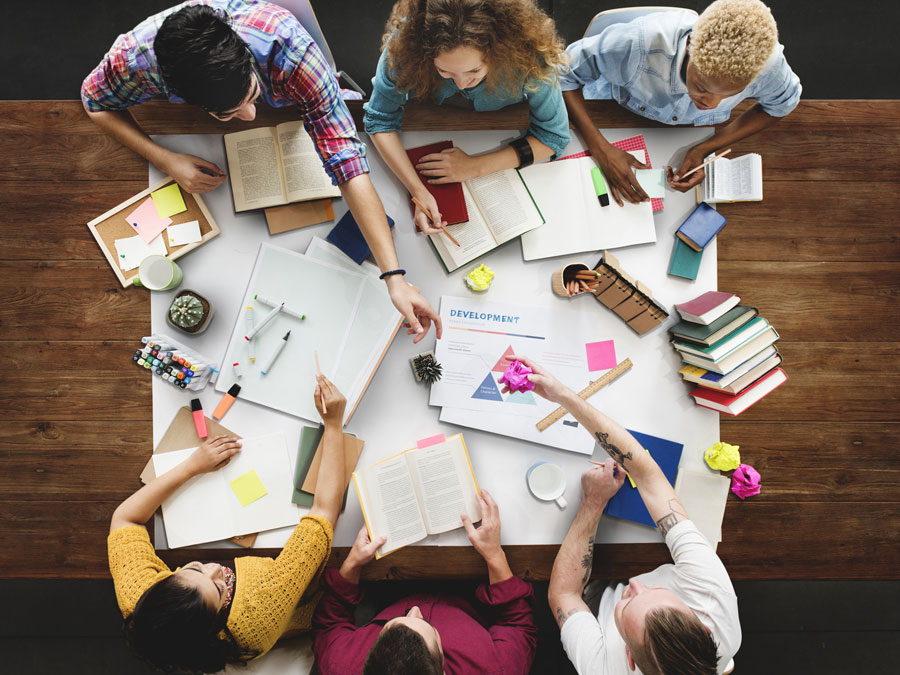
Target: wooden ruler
[587,392]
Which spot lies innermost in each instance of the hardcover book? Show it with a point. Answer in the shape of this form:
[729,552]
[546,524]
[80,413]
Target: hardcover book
[701,226]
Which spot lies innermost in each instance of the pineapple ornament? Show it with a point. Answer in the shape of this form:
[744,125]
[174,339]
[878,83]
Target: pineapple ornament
[190,312]
[426,368]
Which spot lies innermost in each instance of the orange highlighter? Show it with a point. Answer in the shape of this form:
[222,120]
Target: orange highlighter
[226,401]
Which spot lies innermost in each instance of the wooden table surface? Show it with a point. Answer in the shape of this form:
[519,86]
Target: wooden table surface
[820,257]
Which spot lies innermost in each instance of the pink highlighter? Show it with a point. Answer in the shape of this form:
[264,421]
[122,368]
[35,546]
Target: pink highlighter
[199,419]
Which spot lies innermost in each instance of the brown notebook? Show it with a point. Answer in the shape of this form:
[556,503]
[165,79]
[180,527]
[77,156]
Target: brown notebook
[302,214]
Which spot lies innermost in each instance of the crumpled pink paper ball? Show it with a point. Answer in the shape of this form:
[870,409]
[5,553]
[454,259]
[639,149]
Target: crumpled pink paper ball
[745,481]
[515,377]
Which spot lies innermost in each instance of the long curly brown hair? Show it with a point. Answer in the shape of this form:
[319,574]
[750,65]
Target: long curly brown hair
[519,42]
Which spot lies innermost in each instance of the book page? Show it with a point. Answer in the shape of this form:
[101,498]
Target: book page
[445,485]
[389,504]
[473,236]
[505,204]
[304,176]
[739,179]
[253,164]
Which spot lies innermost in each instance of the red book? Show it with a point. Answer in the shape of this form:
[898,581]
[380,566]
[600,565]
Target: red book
[708,307]
[735,405]
[449,196]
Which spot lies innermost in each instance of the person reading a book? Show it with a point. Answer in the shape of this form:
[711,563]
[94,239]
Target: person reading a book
[224,56]
[429,634]
[472,54]
[678,618]
[205,615]
[676,68]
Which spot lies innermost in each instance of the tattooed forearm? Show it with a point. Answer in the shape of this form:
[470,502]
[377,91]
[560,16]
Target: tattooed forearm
[611,449]
[587,562]
[562,616]
[667,522]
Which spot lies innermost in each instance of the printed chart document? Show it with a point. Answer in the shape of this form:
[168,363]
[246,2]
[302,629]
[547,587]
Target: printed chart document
[270,166]
[208,508]
[479,338]
[733,180]
[419,492]
[575,221]
[500,208]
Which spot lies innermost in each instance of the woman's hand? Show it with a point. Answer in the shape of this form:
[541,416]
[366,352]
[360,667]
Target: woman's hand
[448,166]
[545,385]
[430,218]
[330,402]
[361,554]
[693,158]
[600,483]
[213,454]
[621,182]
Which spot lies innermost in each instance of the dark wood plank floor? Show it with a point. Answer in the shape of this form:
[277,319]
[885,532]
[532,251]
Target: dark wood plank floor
[820,257]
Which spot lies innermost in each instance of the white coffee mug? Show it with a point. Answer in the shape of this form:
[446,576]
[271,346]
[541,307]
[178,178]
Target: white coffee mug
[548,483]
[158,273]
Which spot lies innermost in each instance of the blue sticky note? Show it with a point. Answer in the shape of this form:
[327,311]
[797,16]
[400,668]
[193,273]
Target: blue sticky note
[347,237]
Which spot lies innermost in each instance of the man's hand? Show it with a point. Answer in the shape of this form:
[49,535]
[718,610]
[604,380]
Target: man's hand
[418,313]
[616,166]
[428,221]
[194,174]
[213,454]
[486,538]
[334,402]
[448,166]
[545,385]
[693,158]
[361,554]
[600,483]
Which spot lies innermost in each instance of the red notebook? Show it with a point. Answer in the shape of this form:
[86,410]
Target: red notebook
[708,307]
[449,196]
[735,405]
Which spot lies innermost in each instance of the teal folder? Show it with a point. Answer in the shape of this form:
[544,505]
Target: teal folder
[685,260]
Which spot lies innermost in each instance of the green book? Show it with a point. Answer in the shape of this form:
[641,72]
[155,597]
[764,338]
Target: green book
[733,319]
[309,441]
[685,260]
[727,344]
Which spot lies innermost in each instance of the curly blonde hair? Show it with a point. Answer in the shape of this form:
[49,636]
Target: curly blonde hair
[519,42]
[733,39]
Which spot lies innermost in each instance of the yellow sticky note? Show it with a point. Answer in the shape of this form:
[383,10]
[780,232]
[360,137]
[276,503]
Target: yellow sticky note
[248,488]
[168,200]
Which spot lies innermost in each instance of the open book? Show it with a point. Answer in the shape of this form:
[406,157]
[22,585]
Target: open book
[270,166]
[500,209]
[733,180]
[418,492]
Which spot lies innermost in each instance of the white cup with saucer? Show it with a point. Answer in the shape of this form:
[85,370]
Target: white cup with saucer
[547,482]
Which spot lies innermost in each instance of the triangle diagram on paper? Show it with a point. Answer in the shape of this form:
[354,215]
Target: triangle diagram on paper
[487,390]
[525,397]
[503,363]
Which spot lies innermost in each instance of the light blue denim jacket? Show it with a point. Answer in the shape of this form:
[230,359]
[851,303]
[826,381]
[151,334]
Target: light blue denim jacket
[639,65]
[547,111]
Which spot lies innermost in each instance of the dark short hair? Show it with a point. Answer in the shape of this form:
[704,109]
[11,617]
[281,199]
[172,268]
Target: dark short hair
[202,60]
[400,650]
[675,643]
[173,627]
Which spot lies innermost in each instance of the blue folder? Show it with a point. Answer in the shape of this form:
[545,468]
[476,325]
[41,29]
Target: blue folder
[627,502]
[347,237]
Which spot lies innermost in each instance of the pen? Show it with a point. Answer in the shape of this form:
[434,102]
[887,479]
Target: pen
[709,161]
[600,186]
[442,228]
[251,346]
[268,365]
[321,394]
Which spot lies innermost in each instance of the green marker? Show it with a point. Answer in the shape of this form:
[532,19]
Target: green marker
[600,186]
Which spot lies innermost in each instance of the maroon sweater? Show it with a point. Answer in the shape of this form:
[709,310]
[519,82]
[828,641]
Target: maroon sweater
[500,639]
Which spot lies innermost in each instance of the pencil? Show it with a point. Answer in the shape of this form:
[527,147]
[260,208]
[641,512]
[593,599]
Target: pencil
[615,470]
[321,393]
[428,213]
[584,286]
[709,161]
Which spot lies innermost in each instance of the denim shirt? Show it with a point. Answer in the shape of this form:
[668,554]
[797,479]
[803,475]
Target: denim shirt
[639,65]
[549,122]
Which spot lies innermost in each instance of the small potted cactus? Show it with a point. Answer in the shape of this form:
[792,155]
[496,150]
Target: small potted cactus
[426,368]
[190,312]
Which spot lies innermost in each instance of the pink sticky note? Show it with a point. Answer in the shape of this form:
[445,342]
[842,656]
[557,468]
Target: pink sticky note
[601,355]
[431,440]
[146,222]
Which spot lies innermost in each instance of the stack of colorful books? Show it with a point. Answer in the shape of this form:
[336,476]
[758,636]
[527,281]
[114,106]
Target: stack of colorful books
[729,352]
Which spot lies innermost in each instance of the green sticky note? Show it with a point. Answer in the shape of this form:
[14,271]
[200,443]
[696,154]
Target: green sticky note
[248,487]
[169,201]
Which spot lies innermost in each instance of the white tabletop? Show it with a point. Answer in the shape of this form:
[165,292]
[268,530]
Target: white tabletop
[394,413]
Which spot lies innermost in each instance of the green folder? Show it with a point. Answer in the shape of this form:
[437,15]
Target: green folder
[309,441]
[685,260]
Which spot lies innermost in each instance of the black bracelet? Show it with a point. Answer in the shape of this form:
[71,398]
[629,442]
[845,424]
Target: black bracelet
[390,272]
[523,150]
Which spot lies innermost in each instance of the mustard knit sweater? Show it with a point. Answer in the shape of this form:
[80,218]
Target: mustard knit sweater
[271,598]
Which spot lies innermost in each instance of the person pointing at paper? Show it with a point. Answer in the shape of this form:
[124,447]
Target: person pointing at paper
[224,56]
[678,618]
[203,616]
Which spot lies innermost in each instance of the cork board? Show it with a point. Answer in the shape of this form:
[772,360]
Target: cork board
[112,225]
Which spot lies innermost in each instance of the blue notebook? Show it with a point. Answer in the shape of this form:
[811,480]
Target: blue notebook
[347,237]
[627,502]
[685,260]
[699,228]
